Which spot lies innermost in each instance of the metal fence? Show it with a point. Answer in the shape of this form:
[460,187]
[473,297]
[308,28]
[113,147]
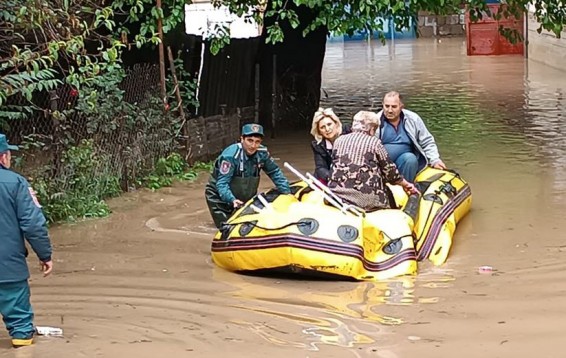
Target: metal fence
[120,146]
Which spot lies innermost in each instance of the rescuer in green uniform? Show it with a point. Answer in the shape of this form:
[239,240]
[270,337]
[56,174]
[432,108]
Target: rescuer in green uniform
[235,176]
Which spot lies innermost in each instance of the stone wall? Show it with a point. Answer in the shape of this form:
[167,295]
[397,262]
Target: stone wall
[208,136]
[441,26]
[546,47]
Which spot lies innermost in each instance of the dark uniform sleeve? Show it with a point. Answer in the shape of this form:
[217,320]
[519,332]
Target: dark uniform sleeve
[32,222]
[388,168]
[226,169]
[275,173]
[321,169]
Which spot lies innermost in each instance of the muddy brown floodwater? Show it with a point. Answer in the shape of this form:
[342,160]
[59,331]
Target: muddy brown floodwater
[141,283]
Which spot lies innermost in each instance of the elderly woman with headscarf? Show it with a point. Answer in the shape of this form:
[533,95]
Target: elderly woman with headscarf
[361,166]
[326,127]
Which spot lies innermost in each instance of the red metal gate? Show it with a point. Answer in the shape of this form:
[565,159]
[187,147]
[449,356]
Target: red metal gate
[483,37]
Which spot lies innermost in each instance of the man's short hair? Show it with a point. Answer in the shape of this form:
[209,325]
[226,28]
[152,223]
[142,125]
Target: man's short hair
[393,94]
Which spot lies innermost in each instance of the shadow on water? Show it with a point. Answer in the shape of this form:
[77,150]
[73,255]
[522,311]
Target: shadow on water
[295,274]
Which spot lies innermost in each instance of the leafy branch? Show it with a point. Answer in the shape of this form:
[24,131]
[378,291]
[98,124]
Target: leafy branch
[346,17]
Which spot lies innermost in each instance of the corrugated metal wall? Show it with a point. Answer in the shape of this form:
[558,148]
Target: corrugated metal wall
[228,78]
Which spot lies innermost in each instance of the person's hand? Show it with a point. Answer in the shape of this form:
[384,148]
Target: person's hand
[410,188]
[439,165]
[237,203]
[46,267]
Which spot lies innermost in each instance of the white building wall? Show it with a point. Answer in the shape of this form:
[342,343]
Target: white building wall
[203,19]
[546,47]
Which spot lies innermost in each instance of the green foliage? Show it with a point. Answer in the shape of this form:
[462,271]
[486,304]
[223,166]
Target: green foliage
[145,14]
[23,83]
[551,15]
[80,190]
[101,101]
[187,86]
[138,130]
[346,17]
[203,166]
[124,139]
[27,82]
[165,171]
[220,38]
[95,139]
[172,168]
[44,43]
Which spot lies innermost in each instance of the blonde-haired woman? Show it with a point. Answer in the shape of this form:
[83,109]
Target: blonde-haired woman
[326,127]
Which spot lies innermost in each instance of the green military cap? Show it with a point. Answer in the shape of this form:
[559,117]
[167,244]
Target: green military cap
[252,129]
[4,146]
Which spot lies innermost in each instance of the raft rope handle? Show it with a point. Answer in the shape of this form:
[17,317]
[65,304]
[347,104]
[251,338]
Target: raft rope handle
[436,192]
[336,202]
[397,238]
[393,242]
[254,224]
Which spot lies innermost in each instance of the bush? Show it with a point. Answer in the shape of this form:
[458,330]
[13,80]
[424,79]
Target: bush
[173,168]
[81,186]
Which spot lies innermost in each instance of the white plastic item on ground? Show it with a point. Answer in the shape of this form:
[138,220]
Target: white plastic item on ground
[48,331]
[485,269]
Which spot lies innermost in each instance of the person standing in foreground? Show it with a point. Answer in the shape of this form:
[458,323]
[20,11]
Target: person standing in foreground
[361,166]
[406,138]
[21,219]
[235,176]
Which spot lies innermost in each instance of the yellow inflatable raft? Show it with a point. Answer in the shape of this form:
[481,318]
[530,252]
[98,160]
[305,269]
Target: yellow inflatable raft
[313,232]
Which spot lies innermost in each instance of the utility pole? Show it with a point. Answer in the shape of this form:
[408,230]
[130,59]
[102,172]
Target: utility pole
[161,53]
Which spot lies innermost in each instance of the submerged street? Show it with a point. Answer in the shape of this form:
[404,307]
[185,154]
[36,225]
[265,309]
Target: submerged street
[141,283]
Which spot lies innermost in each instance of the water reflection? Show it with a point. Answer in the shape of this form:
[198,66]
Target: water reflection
[326,312]
[545,99]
